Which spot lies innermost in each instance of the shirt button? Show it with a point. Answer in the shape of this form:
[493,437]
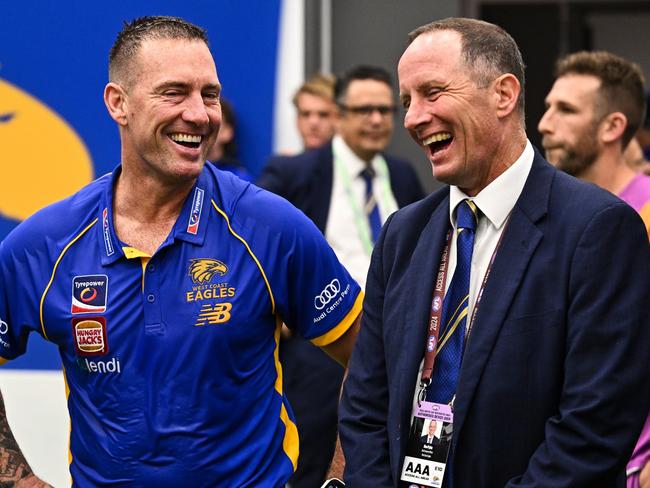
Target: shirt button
[151,268]
[151,298]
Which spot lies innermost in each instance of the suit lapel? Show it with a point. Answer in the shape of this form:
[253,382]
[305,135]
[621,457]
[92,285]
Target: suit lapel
[321,186]
[521,238]
[418,292]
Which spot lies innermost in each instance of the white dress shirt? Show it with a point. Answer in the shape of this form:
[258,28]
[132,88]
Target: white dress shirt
[495,203]
[348,230]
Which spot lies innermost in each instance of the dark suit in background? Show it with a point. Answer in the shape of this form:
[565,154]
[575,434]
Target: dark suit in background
[364,120]
[306,181]
[312,381]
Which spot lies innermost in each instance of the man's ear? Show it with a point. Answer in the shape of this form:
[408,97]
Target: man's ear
[115,100]
[506,91]
[611,128]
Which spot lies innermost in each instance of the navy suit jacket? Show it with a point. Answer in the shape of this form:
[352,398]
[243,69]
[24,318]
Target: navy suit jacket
[553,389]
[306,181]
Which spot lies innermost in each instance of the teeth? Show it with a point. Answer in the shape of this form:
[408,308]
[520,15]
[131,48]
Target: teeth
[185,138]
[440,136]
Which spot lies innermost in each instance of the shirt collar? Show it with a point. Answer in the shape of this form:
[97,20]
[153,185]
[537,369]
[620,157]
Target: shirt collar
[497,200]
[354,165]
[190,226]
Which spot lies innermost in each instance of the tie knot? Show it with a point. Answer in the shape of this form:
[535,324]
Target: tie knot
[368,173]
[466,215]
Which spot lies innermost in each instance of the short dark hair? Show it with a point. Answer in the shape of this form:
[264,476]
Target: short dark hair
[361,72]
[487,49]
[621,85]
[132,35]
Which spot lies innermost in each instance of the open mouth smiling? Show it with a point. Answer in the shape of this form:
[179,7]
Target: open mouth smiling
[186,140]
[438,141]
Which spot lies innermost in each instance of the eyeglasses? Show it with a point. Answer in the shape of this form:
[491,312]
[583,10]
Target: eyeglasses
[368,110]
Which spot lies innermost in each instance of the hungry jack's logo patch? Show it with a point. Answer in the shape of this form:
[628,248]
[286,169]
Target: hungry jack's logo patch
[89,293]
[90,337]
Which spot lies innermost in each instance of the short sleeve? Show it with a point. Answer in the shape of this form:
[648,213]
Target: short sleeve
[325,299]
[13,334]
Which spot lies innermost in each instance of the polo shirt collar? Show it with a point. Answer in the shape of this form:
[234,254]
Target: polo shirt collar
[189,227]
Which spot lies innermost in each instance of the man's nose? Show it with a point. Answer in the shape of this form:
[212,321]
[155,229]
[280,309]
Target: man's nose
[194,110]
[416,115]
[545,124]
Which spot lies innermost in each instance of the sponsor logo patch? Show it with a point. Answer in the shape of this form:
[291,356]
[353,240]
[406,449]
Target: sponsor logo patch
[195,212]
[89,293]
[90,336]
[202,270]
[106,230]
[4,328]
[327,295]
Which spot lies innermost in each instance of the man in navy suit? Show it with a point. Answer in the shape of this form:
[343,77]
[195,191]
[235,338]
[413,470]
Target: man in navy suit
[551,389]
[347,187]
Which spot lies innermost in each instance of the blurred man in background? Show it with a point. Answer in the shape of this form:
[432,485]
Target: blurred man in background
[594,109]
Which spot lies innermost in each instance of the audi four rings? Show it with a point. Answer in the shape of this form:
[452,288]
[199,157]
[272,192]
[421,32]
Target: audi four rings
[329,292]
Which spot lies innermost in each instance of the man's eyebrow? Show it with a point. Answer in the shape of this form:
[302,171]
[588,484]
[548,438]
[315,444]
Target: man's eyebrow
[181,85]
[171,84]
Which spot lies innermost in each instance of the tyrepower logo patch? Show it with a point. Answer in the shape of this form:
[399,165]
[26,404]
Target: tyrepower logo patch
[89,293]
[106,231]
[90,336]
[195,212]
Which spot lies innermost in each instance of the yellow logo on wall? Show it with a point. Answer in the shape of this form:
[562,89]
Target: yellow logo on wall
[42,159]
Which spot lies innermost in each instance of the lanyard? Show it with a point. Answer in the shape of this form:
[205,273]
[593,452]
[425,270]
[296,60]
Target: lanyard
[360,218]
[433,346]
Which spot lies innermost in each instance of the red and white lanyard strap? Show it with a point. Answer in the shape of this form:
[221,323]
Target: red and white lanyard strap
[433,346]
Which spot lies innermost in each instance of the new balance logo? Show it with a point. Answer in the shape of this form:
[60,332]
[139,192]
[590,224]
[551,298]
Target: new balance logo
[218,313]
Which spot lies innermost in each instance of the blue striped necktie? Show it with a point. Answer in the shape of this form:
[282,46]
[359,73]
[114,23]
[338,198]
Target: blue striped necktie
[455,310]
[371,208]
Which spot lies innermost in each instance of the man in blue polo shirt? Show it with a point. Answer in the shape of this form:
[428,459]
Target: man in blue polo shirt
[164,285]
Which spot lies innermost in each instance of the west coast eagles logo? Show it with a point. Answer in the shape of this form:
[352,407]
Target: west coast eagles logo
[203,270]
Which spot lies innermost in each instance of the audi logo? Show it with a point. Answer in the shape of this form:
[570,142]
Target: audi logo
[329,292]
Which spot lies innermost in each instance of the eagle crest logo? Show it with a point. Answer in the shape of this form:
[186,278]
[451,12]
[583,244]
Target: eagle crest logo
[203,270]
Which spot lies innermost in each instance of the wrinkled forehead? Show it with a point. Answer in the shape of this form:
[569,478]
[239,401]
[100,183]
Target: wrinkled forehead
[179,60]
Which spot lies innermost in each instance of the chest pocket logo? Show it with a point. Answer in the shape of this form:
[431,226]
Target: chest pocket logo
[203,270]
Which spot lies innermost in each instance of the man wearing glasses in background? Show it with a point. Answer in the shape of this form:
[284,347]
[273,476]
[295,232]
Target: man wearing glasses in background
[348,188]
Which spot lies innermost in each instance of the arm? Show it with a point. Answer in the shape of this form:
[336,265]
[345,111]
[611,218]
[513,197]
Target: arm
[341,349]
[644,479]
[14,470]
[605,394]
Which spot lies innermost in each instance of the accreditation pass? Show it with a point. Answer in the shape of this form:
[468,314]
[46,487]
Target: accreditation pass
[428,445]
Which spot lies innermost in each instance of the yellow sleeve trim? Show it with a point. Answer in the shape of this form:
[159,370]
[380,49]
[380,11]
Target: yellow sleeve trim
[343,326]
[3,361]
[132,253]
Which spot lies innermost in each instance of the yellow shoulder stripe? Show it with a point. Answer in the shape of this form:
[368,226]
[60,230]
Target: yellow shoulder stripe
[343,325]
[56,265]
[243,241]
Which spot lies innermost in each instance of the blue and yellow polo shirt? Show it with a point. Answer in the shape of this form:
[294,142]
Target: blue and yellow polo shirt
[171,361]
